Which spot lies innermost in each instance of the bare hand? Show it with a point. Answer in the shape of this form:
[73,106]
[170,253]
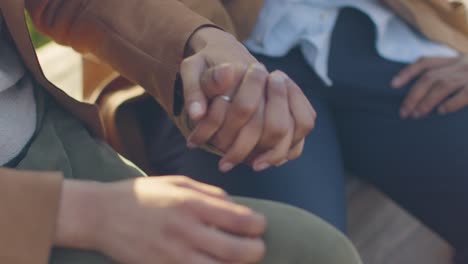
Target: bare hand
[442,84]
[163,220]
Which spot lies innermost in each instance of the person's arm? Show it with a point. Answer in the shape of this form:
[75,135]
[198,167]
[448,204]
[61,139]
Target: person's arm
[29,203]
[147,40]
[144,40]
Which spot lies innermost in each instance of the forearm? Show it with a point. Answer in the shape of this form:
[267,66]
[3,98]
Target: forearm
[79,215]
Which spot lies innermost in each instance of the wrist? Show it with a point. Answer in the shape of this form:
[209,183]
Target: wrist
[79,215]
[203,36]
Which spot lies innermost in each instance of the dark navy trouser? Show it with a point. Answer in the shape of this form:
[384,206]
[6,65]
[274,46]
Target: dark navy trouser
[421,164]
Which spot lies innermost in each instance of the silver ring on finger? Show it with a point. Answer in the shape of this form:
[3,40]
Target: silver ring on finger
[225,98]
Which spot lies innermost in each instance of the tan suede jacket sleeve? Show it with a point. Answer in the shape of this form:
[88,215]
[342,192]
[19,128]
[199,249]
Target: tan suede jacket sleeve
[29,203]
[144,40]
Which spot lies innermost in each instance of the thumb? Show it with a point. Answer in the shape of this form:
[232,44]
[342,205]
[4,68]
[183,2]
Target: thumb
[221,79]
[195,100]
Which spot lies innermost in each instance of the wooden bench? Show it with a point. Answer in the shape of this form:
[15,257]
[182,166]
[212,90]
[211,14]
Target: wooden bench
[382,232]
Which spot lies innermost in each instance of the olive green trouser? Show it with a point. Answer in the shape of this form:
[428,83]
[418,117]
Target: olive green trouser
[61,143]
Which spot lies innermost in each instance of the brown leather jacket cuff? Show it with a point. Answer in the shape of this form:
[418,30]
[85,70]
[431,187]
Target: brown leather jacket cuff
[29,203]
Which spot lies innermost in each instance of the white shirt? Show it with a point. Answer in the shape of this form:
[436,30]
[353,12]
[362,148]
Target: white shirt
[17,103]
[285,24]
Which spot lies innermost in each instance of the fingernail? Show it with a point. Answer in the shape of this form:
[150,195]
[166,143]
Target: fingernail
[195,110]
[261,166]
[259,66]
[442,110]
[282,163]
[278,78]
[226,166]
[191,145]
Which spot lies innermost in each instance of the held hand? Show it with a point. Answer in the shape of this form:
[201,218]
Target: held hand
[238,107]
[161,220]
[442,84]
[211,47]
[264,124]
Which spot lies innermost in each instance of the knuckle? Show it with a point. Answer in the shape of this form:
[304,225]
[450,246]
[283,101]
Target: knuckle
[240,221]
[295,155]
[245,221]
[181,179]
[188,203]
[257,74]
[306,126]
[274,133]
[220,191]
[244,110]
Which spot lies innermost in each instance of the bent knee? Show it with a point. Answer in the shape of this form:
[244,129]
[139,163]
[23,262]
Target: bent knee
[296,236]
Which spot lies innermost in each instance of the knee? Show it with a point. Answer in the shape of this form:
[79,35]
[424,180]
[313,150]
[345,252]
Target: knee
[295,236]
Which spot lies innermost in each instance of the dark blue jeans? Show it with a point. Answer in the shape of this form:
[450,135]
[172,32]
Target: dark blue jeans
[421,164]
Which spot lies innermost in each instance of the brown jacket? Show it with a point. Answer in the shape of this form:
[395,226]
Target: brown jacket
[121,33]
[145,41]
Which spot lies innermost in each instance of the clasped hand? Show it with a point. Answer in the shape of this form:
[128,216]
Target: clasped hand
[247,113]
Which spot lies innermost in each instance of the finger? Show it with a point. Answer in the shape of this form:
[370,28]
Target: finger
[209,125]
[244,105]
[412,71]
[437,94]
[245,142]
[302,111]
[200,258]
[417,93]
[277,118]
[210,190]
[195,101]
[225,246]
[228,216]
[456,103]
[296,151]
[179,248]
[276,124]
[276,156]
[221,79]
